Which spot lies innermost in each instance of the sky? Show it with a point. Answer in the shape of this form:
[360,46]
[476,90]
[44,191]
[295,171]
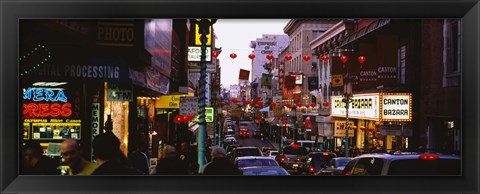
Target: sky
[234,36]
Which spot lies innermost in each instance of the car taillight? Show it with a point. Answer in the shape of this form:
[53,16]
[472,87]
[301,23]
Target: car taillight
[311,169]
[347,174]
[428,157]
[282,159]
[325,153]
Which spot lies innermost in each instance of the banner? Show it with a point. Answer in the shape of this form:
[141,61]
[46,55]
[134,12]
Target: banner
[244,74]
[266,79]
[340,129]
[188,105]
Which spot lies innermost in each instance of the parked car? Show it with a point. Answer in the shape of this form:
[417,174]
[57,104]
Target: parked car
[248,161]
[245,151]
[230,148]
[315,160]
[404,164]
[292,158]
[244,125]
[334,167]
[266,149]
[264,171]
[230,140]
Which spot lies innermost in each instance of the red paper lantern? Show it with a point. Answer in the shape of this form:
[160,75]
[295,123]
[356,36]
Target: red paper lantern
[215,54]
[306,58]
[288,105]
[343,58]
[251,56]
[313,105]
[269,56]
[273,104]
[325,58]
[326,104]
[299,104]
[234,100]
[288,57]
[361,59]
[259,103]
[233,55]
[247,102]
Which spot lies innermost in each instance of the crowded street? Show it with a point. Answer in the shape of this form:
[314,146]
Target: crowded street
[193,97]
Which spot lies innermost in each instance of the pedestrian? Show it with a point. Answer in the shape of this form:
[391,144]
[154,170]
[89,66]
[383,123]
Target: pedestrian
[35,163]
[111,160]
[170,164]
[137,157]
[356,151]
[219,165]
[72,154]
[188,157]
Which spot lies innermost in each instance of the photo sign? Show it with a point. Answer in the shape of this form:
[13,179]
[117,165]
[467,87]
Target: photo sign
[397,107]
[195,53]
[188,105]
[365,106]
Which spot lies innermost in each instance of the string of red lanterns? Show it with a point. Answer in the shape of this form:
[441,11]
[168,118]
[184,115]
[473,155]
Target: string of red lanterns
[233,55]
[215,54]
[251,56]
[306,58]
[269,56]
[288,57]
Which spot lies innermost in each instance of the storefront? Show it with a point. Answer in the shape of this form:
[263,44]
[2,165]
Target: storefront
[375,121]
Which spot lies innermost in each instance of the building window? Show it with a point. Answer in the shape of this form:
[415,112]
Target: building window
[316,33]
[452,52]
[402,53]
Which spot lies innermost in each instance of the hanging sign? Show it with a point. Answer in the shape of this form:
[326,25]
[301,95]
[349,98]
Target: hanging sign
[195,53]
[363,106]
[397,107]
[188,105]
[340,129]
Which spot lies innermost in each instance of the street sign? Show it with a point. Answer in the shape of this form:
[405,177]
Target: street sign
[209,115]
[188,105]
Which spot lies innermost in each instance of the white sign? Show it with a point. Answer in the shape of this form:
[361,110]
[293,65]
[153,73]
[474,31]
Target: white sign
[195,52]
[396,107]
[188,105]
[339,130]
[361,106]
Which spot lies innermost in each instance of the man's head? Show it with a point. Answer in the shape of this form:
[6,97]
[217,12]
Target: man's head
[32,153]
[218,152]
[106,146]
[71,152]
[169,151]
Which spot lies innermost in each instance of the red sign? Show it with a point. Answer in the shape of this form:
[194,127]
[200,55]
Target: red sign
[39,110]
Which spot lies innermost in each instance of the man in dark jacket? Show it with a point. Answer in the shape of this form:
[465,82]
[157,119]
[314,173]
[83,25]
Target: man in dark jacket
[106,149]
[170,164]
[220,165]
[35,163]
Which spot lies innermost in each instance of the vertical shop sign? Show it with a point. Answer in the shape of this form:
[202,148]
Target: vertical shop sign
[95,119]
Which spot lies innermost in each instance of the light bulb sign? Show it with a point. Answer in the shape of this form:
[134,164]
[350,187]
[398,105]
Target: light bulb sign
[365,106]
[397,107]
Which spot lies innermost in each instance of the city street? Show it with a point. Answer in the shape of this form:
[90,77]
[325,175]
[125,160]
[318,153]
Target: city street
[251,141]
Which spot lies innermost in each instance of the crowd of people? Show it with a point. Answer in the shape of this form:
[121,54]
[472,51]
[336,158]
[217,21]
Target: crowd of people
[110,160]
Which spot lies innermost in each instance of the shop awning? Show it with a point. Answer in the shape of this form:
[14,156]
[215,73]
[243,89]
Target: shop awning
[365,30]
[194,127]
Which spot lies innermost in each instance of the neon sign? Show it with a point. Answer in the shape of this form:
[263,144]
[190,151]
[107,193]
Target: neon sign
[47,110]
[48,95]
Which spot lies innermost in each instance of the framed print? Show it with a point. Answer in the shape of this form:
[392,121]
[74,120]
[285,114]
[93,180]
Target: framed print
[401,77]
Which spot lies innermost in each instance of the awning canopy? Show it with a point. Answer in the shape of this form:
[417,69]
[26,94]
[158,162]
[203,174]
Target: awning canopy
[365,30]
[194,127]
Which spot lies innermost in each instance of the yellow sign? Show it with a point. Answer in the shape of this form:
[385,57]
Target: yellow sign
[337,80]
[197,36]
[169,101]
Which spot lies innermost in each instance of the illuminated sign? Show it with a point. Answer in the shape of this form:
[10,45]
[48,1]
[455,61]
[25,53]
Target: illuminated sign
[168,101]
[41,94]
[364,106]
[195,52]
[198,35]
[40,107]
[209,114]
[95,119]
[340,126]
[396,107]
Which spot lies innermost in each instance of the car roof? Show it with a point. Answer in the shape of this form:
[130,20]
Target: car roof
[247,147]
[254,157]
[406,155]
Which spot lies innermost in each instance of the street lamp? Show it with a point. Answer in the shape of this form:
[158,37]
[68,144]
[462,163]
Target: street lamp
[204,29]
[347,99]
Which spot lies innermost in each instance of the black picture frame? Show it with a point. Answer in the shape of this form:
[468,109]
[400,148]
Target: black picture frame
[11,11]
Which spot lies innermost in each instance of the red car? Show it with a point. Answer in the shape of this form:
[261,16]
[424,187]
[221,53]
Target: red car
[244,134]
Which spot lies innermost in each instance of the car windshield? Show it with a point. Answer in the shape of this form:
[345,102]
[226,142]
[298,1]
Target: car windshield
[248,152]
[273,153]
[256,162]
[265,171]
[425,167]
[295,151]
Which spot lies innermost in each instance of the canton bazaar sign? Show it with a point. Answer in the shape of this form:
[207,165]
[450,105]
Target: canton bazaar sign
[378,107]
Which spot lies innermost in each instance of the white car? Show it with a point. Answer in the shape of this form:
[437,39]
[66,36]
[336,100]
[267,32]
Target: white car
[230,139]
